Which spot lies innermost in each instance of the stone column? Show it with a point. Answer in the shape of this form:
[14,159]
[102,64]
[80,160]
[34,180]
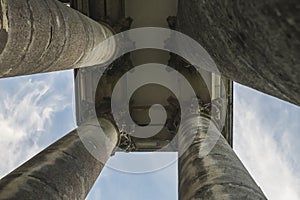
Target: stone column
[43,36]
[255,43]
[65,169]
[215,174]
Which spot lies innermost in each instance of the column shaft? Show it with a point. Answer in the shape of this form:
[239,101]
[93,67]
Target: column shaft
[255,43]
[217,175]
[64,170]
[42,36]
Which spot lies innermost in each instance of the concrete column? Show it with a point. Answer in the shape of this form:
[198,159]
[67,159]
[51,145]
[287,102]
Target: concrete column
[217,175]
[65,169]
[42,36]
[255,43]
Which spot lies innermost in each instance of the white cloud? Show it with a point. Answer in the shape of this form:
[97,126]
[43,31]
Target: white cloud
[266,138]
[27,107]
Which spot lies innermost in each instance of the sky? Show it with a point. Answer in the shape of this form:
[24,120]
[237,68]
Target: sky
[37,110]
[267,139]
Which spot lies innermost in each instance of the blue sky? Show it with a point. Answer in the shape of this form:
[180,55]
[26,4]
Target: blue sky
[267,140]
[37,110]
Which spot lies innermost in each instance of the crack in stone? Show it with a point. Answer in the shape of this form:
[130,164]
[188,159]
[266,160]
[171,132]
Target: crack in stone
[69,155]
[44,181]
[5,73]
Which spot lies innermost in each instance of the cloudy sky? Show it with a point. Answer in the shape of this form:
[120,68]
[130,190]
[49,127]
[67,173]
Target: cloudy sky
[37,110]
[34,112]
[267,140]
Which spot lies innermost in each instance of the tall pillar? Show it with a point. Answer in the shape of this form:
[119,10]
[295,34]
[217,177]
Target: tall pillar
[255,43]
[216,175]
[43,36]
[65,169]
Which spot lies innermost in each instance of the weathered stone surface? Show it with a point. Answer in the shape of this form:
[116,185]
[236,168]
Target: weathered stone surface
[219,174]
[64,170]
[255,43]
[41,36]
